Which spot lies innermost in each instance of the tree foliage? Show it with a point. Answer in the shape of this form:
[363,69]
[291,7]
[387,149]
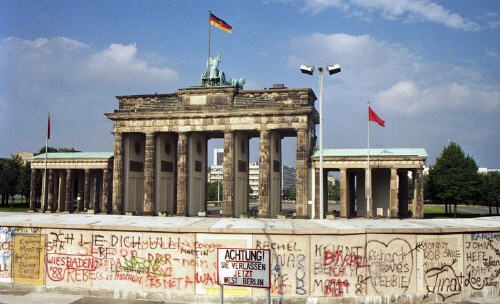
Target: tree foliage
[10,177]
[52,150]
[453,178]
[333,192]
[212,191]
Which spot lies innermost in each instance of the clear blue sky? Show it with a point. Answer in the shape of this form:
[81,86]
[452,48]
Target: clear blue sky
[431,69]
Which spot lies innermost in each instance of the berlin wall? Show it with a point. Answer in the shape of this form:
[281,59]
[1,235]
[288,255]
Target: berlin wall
[406,268]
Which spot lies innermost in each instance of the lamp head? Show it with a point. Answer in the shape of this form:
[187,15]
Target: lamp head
[307,69]
[333,69]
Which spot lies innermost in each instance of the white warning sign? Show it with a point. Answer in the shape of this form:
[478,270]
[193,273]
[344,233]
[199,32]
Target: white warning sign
[244,267]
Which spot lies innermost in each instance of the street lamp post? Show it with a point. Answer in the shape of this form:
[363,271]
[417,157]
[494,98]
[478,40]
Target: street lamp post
[332,69]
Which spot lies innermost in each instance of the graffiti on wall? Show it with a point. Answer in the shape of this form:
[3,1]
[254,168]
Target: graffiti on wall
[482,260]
[441,266]
[6,247]
[391,265]
[121,260]
[289,263]
[27,262]
[338,266]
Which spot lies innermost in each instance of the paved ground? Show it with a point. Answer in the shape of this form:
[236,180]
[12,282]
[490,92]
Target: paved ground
[24,297]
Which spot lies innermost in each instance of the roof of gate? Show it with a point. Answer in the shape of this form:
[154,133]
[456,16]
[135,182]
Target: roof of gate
[66,155]
[420,152]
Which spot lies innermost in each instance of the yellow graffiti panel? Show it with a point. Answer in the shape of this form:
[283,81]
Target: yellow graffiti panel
[27,265]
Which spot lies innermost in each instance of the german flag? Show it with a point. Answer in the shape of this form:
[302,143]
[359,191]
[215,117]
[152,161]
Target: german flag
[219,23]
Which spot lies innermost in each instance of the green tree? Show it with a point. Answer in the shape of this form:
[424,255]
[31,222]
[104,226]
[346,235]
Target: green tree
[3,183]
[453,178]
[212,191]
[23,187]
[427,188]
[52,149]
[490,189]
[334,192]
[10,176]
[292,193]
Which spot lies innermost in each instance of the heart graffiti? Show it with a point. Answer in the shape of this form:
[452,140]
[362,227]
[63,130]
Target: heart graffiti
[391,265]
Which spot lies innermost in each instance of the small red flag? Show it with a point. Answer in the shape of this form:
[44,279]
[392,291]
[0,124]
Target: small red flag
[372,116]
[48,128]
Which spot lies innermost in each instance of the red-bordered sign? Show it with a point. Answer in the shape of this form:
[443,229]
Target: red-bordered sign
[244,267]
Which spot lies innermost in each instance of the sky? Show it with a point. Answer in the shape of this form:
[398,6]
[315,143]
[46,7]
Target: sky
[430,69]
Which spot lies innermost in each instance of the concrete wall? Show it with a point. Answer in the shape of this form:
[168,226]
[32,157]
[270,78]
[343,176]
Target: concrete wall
[384,268]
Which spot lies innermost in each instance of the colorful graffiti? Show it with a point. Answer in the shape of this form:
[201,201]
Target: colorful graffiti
[443,267]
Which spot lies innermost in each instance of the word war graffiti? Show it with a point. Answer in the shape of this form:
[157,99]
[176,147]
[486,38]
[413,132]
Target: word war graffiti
[27,264]
[289,264]
[441,265]
[6,247]
[443,281]
[391,265]
[339,266]
[133,261]
[482,261]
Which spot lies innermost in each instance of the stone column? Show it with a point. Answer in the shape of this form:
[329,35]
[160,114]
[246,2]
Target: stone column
[118,174]
[418,196]
[264,176]
[43,202]
[403,192]
[68,195]
[149,174]
[86,190]
[343,193]
[33,190]
[50,197]
[62,190]
[105,191]
[182,168]
[95,192]
[393,194]
[368,192]
[80,190]
[302,174]
[55,204]
[228,178]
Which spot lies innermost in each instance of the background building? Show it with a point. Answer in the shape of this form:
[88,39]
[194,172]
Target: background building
[218,157]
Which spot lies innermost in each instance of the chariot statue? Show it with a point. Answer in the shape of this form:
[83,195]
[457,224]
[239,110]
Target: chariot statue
[213,77]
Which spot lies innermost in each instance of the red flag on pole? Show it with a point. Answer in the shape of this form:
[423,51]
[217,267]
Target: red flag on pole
[48,127]
[372,116]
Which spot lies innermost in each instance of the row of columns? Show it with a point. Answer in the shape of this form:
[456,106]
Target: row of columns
[228,178]
[58,190]
[352,190]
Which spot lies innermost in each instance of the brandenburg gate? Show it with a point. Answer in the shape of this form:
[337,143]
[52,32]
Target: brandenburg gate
[160,146]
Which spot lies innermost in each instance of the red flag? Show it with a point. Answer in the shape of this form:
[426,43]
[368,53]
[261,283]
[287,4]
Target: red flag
[48,128]
[372,116]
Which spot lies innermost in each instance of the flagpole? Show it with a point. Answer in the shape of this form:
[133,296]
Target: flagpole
[44,199]
[368,172]
[208,62]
